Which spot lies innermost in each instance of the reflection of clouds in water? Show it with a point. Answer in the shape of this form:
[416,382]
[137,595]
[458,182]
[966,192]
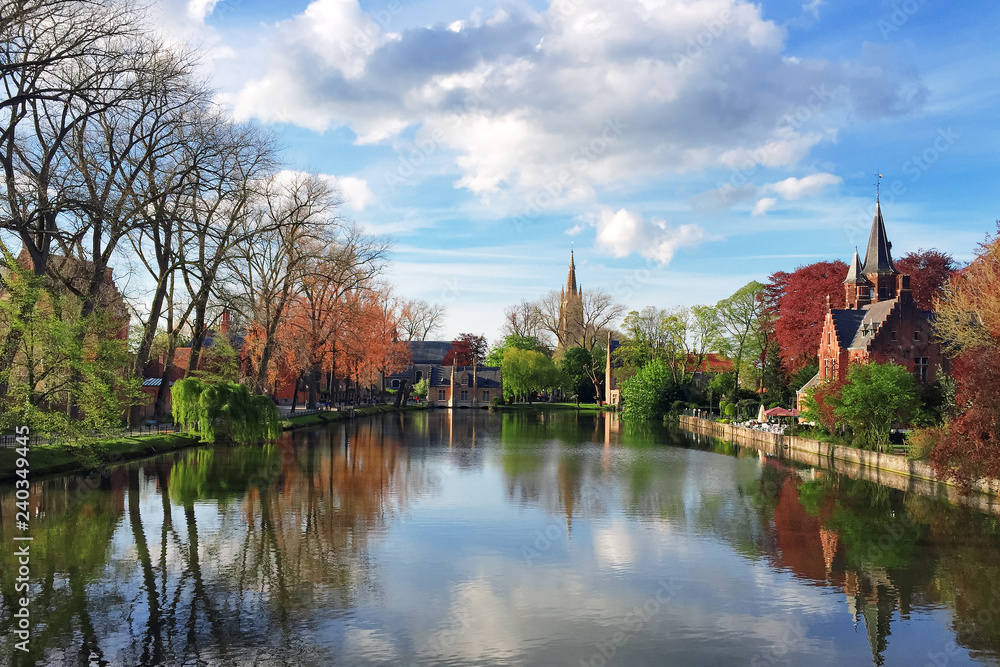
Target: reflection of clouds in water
[480,625]
[613,546]
[371,644]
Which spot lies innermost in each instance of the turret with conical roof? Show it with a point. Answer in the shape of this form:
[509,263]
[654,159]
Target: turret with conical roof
[857,286]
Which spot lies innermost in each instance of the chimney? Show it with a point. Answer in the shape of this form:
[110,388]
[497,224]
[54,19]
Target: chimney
[224,327]
[903,289]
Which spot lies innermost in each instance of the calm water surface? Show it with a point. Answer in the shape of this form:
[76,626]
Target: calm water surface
[479,538]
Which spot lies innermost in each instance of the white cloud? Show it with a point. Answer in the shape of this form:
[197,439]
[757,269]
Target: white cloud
[793,188]
[197,10]
[355,190]
[574,230]
[522,101]
[764,205]
[622,233]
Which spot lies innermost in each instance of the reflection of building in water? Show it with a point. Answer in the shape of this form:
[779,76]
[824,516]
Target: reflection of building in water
[568,479]
[873,597]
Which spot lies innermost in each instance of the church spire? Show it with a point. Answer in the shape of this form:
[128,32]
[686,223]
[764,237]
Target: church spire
[571,278]
[878,256]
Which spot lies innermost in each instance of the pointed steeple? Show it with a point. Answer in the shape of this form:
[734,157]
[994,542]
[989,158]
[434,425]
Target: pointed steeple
[878,258]
[856,275]
[571,278]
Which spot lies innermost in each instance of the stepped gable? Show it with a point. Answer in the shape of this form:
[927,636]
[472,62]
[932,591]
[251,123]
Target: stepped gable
[875,316]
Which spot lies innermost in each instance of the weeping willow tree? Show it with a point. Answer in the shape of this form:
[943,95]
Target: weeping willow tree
[224,410]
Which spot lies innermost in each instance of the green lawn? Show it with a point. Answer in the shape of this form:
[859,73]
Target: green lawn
[62,458]
[583,407]
[49,459]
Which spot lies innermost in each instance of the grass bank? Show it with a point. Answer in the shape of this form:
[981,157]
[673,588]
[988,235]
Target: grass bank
[583,407]
[51,459]
[320,418]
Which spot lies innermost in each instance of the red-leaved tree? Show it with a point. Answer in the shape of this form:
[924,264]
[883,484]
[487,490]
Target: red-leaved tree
[798,300]
[929,271]
[970,449]
[968,323]
[466,350]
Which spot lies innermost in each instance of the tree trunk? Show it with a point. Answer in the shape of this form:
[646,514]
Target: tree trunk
[142,354]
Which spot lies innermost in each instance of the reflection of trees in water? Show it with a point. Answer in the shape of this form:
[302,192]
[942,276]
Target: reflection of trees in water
[287,531]
[73,520]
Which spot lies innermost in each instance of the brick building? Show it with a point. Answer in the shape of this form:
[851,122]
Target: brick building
[881,322]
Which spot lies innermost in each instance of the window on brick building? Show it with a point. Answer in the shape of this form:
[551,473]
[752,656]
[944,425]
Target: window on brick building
[486,396]
[464,396]
[892,336]
[441,394]
[906,354]
[916,335]
[920,368]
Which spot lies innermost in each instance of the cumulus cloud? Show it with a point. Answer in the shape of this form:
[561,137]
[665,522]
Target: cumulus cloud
[521,100]
[793,188]
[623,232]
[357,193]
[764,205]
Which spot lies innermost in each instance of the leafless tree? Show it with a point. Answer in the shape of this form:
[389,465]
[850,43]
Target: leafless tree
[62,63]
[525,320]
[295,222]
[418,319]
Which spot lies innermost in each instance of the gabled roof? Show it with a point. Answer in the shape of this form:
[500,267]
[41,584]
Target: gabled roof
[846,323]
[809,385]
[878,258]
[428,351]
[875,316]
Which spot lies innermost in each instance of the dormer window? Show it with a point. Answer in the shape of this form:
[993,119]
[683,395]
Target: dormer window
[465,380]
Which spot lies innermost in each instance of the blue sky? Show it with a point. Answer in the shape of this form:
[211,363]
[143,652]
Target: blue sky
[684,147]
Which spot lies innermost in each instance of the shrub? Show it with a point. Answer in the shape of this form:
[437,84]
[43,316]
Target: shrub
[922,441]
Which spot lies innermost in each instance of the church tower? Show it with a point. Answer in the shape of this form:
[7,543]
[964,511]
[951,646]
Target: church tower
[570,311]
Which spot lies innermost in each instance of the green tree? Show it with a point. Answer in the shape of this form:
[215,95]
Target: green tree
[875,397]
[526,372]
[576,366]
[421,388]
[224,410]
[650,392]
[738,320]
[513,341]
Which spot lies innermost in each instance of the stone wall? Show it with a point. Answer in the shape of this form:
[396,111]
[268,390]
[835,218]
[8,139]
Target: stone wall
[890,470]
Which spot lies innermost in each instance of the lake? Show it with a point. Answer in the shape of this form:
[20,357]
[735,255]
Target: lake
[475,537]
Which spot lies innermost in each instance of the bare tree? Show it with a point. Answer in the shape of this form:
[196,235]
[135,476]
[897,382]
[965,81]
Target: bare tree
[292,219]
[578,325]
[524,320]
[419,319]
[62,62]
[220,216]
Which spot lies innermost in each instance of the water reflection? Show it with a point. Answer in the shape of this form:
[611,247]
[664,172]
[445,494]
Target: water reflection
[438,538]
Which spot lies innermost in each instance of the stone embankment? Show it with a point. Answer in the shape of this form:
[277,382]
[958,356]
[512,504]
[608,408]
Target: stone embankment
[890,470]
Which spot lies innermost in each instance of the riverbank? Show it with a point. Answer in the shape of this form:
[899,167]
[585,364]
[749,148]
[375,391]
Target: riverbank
[583,407]
[890,470]
[53,459]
